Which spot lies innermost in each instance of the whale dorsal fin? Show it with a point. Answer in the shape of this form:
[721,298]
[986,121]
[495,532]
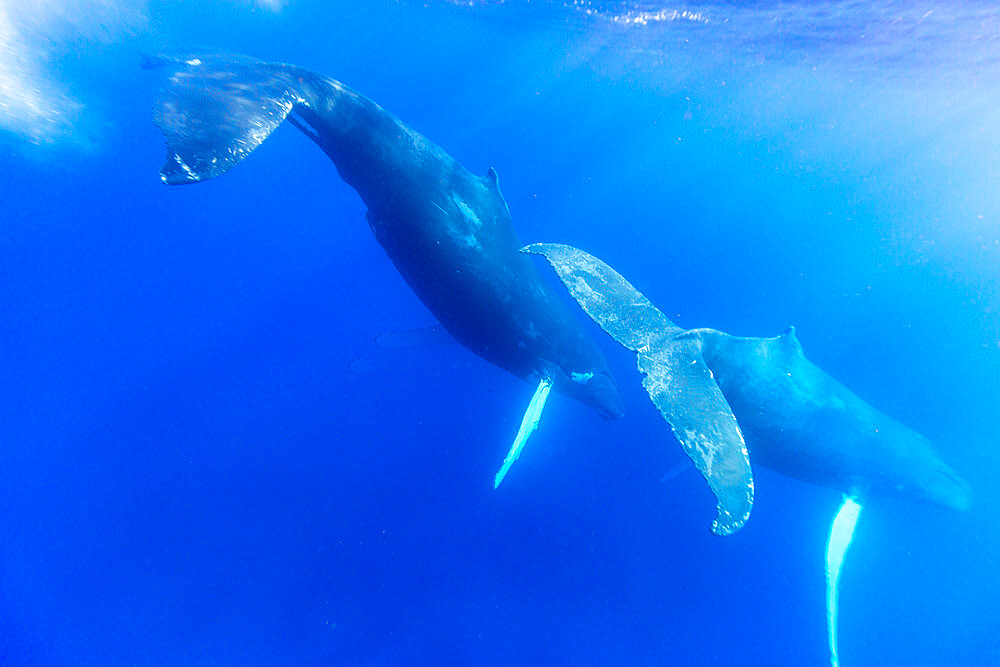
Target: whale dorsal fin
[790,340]
[492,180]
[675,375]
[492,183]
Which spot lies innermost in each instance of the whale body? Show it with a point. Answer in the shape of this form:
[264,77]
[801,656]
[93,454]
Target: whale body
[731,400]
[800,421]
[447,231]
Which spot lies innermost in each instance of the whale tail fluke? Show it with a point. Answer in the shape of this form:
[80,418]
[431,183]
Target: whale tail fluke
[675,375]
[215,110]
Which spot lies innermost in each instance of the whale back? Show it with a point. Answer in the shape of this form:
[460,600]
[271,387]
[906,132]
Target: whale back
[802,422]
[447,231]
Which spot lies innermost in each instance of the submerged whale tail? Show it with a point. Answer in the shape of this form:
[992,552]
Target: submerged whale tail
[678,380]
[683,388]
[216,110]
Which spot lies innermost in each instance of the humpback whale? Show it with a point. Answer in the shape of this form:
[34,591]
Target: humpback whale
[447,231]
[731,400]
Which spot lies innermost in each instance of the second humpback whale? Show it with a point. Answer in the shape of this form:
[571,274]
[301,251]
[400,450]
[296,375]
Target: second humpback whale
[448,232]
[715,389]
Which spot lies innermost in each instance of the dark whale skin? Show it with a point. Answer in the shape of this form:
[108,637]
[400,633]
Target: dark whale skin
[447,231]
[730,399]
[802,422]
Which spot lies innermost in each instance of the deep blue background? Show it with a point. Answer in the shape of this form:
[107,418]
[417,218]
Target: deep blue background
[192,473]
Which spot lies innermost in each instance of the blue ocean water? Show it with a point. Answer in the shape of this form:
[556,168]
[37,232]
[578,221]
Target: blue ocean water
[207,459]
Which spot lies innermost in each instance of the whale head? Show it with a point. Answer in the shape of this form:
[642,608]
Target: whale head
[601,392]
[595,388]
[938,484]
[916,472]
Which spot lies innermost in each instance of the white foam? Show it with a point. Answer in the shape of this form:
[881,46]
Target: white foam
[31,105]
[36,104]
[273,5]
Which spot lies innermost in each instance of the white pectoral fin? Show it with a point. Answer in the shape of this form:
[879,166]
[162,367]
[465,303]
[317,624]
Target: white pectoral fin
[841,533]
[528,425]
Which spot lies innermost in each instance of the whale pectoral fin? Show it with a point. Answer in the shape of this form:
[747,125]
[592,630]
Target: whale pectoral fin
[610,300]
[675,471]
[528,425]
[682,387]
[215,110]
[431,336]
[841,534]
